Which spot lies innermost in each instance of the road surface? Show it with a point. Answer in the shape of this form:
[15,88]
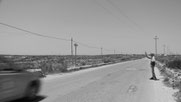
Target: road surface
[123,82]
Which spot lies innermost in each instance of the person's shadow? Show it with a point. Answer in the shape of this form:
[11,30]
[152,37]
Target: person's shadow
[155,79]
[37,99]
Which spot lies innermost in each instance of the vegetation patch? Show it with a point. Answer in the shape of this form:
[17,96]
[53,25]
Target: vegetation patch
[59,64]
[171,61]
[170,68]
[177,96]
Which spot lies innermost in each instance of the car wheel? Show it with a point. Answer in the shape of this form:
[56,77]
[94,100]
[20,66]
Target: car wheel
[32,92]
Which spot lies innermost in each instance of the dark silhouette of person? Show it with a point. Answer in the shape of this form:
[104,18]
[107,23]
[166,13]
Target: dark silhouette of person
[152,64]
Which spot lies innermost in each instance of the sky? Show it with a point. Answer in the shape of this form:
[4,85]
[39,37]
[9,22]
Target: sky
[116,26]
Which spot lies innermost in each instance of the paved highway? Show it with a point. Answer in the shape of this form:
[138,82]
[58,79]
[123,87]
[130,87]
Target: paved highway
[123,82]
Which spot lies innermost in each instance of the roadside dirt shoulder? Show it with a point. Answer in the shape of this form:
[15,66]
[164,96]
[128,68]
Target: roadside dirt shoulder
[162,92]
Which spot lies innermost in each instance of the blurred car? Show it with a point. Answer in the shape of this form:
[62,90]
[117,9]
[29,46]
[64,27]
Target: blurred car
[16,84]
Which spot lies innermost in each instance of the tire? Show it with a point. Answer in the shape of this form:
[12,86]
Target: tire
[32,91]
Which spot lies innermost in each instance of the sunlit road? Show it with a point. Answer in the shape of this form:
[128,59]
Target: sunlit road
[124,82]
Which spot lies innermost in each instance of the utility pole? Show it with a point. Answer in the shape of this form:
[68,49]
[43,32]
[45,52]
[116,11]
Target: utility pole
[101,51]
[72,53]
[168,51]
[164,50]
[114,51]
[75,53]
[156,38]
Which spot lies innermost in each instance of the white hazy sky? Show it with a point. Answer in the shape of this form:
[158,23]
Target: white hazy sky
[128,26]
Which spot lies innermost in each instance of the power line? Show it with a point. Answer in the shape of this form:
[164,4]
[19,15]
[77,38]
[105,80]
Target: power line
[98,48]
[112,14]
[33,33]
[121,12]
[107,49]
[105,9]
[132,22]
[86,45]
[51,37]
[125,15]
[41,35]
[94,47]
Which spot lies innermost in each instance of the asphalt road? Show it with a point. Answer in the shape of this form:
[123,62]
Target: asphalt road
[123,82]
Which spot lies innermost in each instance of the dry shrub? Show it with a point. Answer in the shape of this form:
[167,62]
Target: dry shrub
[174,64]
[177,96]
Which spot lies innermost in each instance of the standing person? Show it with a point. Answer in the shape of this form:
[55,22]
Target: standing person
[152,63]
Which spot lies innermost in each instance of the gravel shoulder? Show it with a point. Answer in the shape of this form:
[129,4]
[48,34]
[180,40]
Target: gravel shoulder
[161,90]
